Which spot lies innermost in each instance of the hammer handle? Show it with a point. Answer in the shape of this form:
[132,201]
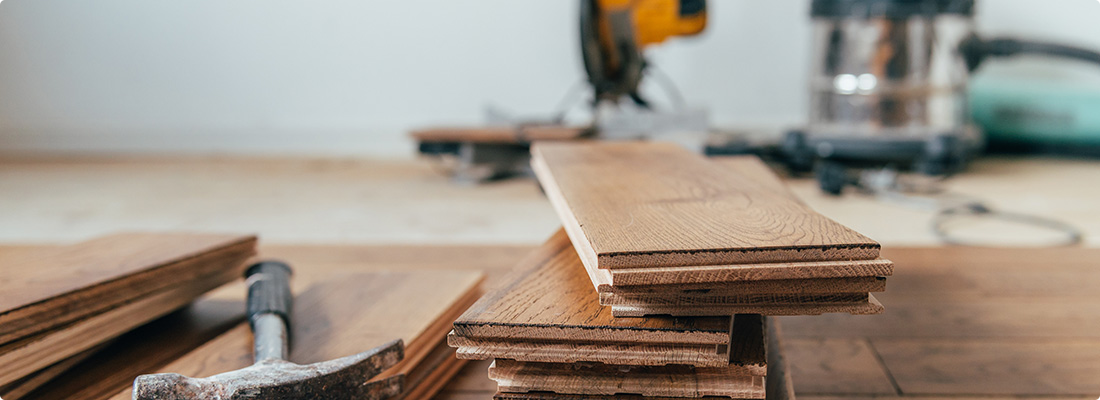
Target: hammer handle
[269,291]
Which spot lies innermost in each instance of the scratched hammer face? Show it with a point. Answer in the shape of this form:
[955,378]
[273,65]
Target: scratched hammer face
[343,378]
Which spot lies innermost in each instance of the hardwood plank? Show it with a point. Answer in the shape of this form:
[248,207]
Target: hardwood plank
[1039,367]
[21,388]
[498,134]
[749,272]
[746,350]
[346,314]
[600,379]
[732,300]
[54,286]
[701,355]
[144,350]
[868,306]
[778,383]
[432,373]
[774,286]
[644,204]
[833,366]
[550,297]
[24,357]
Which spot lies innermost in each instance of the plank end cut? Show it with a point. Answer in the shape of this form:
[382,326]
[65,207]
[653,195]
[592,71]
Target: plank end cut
[648,204]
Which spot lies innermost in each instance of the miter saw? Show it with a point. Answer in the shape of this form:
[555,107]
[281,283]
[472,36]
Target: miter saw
[613,37]
[614,34]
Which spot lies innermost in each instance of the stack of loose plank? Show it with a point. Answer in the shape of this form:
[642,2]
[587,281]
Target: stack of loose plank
[659,282]
[661,230]
[547,332]
[59,304]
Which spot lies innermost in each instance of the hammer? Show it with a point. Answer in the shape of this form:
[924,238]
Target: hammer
[271,377]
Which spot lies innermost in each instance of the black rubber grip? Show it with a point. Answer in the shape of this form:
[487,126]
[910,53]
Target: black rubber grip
[269,290]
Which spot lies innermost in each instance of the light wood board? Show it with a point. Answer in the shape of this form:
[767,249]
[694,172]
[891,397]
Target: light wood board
[348,314]
[601,379]
[550,297]
[23,357]
[52,287]
[498,134]
[643,204]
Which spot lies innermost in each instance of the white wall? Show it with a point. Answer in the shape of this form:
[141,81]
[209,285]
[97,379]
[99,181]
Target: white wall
[352,76]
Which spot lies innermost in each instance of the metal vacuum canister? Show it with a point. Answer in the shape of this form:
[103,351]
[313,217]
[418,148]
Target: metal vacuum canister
[888,83]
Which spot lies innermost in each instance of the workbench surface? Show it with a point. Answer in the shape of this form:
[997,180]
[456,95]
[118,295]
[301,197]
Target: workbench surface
[51,200]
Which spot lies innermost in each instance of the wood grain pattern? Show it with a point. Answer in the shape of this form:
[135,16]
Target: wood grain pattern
[640,204]
[51,287]
[600,379]
[499,134]
[550,297]
[348,314]
[870,305]
[25,356]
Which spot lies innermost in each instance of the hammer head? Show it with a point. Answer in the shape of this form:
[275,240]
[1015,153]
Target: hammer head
[342,378]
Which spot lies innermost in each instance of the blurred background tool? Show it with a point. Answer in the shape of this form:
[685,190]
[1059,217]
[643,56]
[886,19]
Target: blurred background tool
[613,37]
[889,87]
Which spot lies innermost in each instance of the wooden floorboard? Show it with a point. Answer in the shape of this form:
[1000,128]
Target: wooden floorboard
[993,366]
[836,366]
[644,204]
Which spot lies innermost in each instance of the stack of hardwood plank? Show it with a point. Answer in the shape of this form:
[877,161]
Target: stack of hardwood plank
[547,332]
[661,230]
[59,304]
[659,282]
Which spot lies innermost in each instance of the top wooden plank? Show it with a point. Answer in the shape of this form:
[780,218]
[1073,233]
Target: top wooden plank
[52,286]
[499,134]
[549,297]
[644,204]
[33,277]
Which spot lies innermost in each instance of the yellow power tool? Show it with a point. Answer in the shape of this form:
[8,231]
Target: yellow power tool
[615,32]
